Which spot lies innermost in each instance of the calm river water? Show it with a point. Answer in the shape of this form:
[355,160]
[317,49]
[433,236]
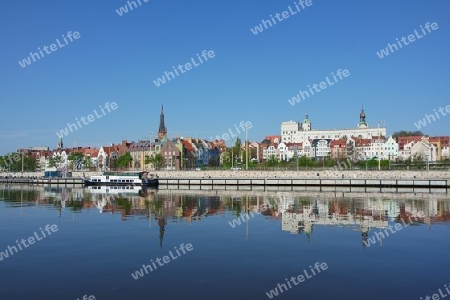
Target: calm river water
[66,243]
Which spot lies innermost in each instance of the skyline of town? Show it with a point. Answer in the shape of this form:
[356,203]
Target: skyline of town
[297,139]
[238,131]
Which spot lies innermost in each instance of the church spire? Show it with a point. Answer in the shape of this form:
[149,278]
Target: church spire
[162,131]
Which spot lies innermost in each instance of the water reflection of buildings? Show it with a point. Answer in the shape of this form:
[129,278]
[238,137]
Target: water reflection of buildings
[297,212]
[299,216]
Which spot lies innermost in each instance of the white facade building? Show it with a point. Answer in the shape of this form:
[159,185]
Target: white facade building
[425,150]
[295,132]
[283,152]
[380,148]
[390,149]
[405,153]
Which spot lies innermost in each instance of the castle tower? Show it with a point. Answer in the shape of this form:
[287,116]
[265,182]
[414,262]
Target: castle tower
[162,131]
[362,119]
[306,125]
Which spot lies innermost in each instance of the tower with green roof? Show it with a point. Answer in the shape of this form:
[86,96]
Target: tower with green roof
[306,125]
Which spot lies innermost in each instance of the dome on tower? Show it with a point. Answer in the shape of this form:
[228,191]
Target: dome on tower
[306,120]
[362,119]
[362,114]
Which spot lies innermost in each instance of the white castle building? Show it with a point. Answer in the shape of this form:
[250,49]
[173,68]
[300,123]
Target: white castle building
[295,132]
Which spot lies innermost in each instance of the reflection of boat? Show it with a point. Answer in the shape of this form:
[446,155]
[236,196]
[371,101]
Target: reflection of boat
[121,195]
[142,178]
[117,189]
[124,190]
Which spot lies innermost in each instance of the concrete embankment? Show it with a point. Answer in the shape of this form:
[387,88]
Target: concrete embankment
[326,180]
[312,174]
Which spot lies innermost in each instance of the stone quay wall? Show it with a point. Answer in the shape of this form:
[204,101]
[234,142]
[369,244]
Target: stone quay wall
[243,174]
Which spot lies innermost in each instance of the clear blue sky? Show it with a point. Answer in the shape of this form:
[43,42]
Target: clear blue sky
[250,78]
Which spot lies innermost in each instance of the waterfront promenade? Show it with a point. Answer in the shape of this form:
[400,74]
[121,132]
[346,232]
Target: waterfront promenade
[242,174]
[349,180]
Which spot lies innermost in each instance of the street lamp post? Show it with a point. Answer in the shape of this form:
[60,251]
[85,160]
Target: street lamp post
[246,148]
[150,150]
[232,157]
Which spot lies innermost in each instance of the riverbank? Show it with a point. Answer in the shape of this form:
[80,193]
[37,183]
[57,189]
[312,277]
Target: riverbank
[242,174]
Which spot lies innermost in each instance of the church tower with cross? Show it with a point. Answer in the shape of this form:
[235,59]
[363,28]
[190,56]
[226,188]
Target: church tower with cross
[162,131]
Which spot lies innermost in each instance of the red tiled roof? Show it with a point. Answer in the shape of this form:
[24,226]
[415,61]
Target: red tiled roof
[340,143]
[407,139]
[294,144]
[110,149]
[271,138]
[187,145]
[363,142]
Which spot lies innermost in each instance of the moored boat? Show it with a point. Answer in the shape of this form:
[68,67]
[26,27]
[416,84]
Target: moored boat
[142,178]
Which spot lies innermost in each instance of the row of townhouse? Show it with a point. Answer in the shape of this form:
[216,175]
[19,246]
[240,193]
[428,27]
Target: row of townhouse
[435,148]
[190,153]
[177,154]
[60,157]
[428,148]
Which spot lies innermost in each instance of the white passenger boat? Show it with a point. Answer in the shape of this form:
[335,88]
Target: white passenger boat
[142,178]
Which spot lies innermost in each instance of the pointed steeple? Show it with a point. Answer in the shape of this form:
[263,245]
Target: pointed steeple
[162,131]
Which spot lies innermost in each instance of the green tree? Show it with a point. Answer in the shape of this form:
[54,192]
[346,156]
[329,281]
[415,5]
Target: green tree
[397,134]
[10,161]
[271,162]
[157,160]
[305,161]
[53,162]
[418,160]
[112,163]
[124,161]
[76,159]
[226,159]
[237,150]
[13,162]
[371,163]
[30,163]
[252,153]
[87,162]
